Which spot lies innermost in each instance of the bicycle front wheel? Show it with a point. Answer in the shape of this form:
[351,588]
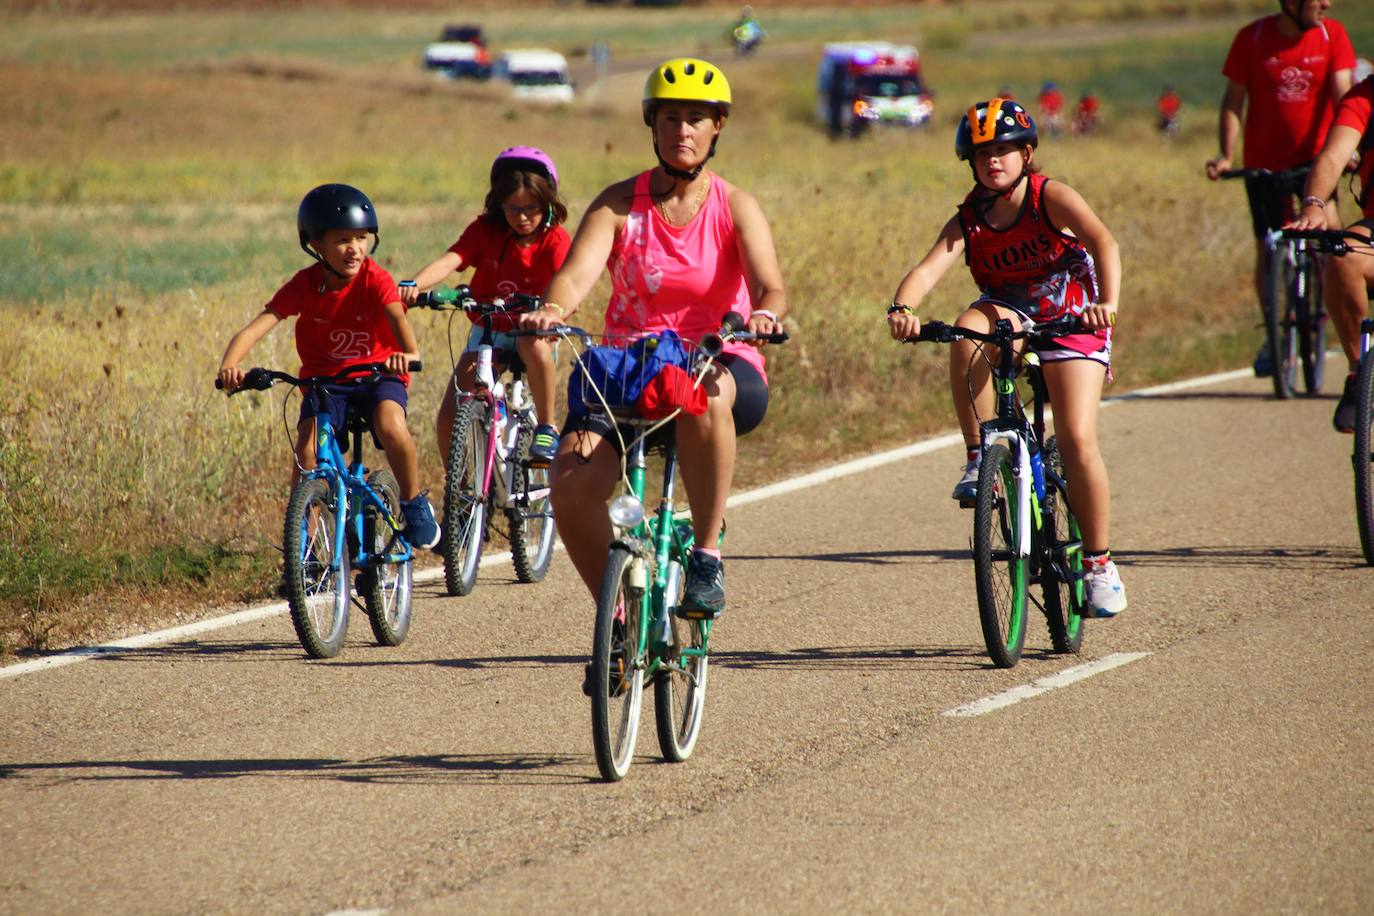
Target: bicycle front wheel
[465,498]
[1311,321]
[999,572]
[680,687]
[316,574]
[531,524]
[386,587]
[1363,455]
[1279,325]
[617,674]
[1061,565]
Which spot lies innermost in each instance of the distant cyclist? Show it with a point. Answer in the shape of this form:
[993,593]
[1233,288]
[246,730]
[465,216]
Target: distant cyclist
[1168,105]
[1347,279]
[1290,68]
[1038,252]
[1051,105]
[1088,113]
[683,247]
[747,32]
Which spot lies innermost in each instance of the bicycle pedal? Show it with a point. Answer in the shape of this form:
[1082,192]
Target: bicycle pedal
[694,614]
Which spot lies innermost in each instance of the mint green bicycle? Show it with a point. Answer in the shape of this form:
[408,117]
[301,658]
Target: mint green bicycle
[640,633]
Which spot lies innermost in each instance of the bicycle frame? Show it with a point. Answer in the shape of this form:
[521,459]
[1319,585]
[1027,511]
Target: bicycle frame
[345,477]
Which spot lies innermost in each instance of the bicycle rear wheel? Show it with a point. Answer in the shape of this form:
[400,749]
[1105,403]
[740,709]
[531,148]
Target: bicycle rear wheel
[999,573]
[680,687]
[1279,325]
[1362,458]
[531,525]
[316,573]
[617,677]
[1061,565]
[465,500]
[386,587]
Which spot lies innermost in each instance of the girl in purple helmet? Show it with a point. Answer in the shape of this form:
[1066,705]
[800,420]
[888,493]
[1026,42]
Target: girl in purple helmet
[515,246]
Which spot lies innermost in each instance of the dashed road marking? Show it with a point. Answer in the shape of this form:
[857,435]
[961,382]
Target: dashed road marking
[1044,685]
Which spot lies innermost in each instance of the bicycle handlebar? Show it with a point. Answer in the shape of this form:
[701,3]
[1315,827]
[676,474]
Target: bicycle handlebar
[461,298]
[260,379]
[1281,175]
[1328,241]
[940,332]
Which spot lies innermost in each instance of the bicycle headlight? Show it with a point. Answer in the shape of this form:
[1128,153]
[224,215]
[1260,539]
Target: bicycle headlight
[626,511]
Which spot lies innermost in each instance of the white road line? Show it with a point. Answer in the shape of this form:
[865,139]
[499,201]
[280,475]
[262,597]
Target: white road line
[805,481]
[1044,685]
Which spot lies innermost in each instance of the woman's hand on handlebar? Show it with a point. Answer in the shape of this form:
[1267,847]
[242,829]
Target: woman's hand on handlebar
[764,324]
[1310,217]
[903,324]
[1099,315]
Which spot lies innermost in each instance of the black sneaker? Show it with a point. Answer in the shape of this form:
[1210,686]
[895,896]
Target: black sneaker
[704,596]
[543,446]
[1264,363]
[1344,418]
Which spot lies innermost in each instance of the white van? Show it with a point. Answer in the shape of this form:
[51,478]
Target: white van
[537,74]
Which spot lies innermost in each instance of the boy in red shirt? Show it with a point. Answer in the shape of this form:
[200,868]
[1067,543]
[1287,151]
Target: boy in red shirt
[1347,278]
[1168,107]
[349,314]
[516,246]
[1291,67]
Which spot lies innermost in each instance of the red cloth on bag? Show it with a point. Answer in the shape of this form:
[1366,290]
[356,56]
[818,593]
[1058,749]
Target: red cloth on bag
[670,389]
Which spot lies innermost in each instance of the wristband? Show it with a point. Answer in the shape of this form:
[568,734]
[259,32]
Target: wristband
[901,307]
[766,313]
[406,283]
[1312,200]
[555,305]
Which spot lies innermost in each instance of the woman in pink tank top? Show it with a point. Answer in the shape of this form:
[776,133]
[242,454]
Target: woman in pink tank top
[683,248]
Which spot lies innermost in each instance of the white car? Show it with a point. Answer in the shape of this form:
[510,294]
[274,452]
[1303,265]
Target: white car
[536,74]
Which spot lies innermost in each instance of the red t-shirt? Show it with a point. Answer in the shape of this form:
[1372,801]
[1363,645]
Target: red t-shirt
[1288,84]
[1052,102]
[1355,111]
[503,267]
[339,328]
[1169,104]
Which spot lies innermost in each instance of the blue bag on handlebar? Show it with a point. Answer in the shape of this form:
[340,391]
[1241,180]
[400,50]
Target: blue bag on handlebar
[621,373]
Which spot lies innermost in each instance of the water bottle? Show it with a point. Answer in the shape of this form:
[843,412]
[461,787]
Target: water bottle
[1037,473]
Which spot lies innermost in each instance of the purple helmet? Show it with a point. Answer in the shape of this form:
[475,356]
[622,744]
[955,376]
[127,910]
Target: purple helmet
[526,157]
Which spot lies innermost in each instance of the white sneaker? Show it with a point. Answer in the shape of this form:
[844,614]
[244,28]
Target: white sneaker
[967,487]
[1106,594]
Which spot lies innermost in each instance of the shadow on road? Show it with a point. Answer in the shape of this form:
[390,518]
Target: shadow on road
[869,658]
[427,769]
[864,557]
[1230,556]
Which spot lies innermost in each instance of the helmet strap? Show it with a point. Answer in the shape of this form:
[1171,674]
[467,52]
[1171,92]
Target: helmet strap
[1283,5]
[682,174]
[305,246]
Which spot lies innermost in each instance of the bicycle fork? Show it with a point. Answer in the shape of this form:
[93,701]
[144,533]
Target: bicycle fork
[1027,507]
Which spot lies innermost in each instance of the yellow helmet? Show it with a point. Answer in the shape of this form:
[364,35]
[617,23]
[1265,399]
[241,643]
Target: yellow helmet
[686,79]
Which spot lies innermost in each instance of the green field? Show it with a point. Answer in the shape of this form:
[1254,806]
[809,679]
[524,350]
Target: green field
[151,165]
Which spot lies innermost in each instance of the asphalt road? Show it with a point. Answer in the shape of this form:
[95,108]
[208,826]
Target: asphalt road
[1228,770]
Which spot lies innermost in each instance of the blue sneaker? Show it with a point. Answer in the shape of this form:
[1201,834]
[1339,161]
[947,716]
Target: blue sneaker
[421,529]
[1264,365]
[544,445]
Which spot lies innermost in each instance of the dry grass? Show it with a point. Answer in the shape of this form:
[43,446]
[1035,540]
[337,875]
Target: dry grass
[149,212]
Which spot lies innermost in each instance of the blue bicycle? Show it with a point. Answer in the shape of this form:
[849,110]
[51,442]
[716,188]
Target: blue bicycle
[342,518]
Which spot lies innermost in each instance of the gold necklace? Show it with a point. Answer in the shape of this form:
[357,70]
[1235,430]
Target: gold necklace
[696,205]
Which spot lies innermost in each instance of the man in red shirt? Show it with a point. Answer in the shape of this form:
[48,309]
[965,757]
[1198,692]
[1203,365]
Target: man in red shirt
[1291,67]
[1347,278]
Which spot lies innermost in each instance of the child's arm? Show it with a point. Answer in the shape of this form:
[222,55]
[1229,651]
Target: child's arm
[1067,209]
[429,275]
[230,375]
[922,279]
[399,363]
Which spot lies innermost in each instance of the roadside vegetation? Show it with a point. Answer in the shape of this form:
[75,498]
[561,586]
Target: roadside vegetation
[151,167]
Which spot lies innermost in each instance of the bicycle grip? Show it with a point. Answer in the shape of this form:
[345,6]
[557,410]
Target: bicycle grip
[219,383]
[417,365]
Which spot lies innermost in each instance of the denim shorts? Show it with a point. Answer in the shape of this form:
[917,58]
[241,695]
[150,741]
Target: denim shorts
[352,398]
